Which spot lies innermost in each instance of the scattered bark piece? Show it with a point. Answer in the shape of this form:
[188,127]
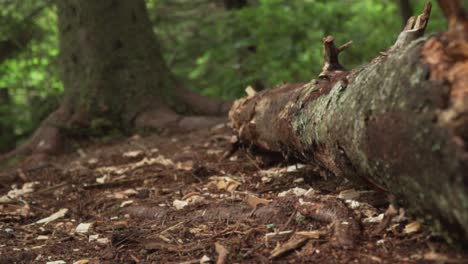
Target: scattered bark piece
[314,234]
[412,227]
[59,214]
[253,201]
[388,217]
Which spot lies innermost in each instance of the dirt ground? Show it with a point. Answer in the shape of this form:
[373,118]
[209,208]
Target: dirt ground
[169,199]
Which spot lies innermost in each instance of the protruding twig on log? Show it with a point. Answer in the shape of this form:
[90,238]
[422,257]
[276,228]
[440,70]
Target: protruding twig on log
[455,14]
[330,57]
[411,32]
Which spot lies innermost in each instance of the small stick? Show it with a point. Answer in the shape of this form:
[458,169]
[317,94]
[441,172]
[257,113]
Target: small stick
[290,219]
[222,253]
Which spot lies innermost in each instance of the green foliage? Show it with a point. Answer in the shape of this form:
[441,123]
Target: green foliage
[217,51]
[212,46]
[31,76]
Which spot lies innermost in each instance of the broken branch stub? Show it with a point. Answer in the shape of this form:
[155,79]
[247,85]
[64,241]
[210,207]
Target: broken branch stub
[411,32]
[331,63]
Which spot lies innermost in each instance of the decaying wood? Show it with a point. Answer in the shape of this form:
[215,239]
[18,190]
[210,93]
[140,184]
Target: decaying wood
[413,31]
[399,122]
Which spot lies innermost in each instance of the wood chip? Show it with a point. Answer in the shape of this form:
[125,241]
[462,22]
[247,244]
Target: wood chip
[222,253]
[293,243]
[83,228]
[315,234]
[59,214]
[277,236]
[253,201]
[350,194]
[412,227]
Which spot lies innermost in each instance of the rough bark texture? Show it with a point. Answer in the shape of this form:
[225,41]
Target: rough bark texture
[383,122]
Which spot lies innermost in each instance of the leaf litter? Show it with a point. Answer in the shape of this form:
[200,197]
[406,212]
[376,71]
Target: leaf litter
[162,199]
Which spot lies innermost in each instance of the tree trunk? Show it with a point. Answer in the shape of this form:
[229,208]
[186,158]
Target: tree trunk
[7,131]
[400,122]
[406,10]
[115,77]
[111,62]
[234,4]
[244,53]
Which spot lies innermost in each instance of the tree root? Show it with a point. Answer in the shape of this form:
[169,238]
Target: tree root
[166,119]
[49,138]
[46,140]
[201,105]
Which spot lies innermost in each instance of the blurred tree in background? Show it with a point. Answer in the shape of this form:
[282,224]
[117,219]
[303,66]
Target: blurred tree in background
[218,47]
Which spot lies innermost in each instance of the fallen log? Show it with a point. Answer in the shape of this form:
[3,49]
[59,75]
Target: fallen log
[399,122]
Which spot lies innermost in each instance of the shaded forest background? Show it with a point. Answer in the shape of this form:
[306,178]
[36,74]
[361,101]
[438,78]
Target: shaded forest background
[216,49]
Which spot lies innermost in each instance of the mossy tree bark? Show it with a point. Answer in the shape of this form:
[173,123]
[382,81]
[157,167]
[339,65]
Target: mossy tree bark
[399,122]
[115,76]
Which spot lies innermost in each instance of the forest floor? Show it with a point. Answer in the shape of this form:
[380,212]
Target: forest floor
[169,199]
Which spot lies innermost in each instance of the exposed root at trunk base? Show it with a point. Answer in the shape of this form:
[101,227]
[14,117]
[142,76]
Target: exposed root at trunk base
[202,105]
[46,140]
[49,138]
[166,119]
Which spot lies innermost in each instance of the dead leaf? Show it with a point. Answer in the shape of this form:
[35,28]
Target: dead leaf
[56,262]
[224,183]
[374,219]
[180,204]
[350,194]
[119,170]
[294,191]
[196,199]
[83,228]
[123,194]
[205,260]
[15,193]
[133,153]
[412,227]
[186,165]
[82,261]
[295,167]
[253,201]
